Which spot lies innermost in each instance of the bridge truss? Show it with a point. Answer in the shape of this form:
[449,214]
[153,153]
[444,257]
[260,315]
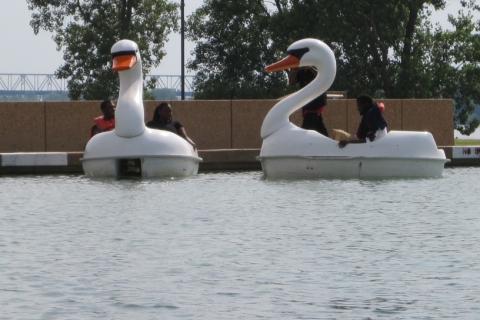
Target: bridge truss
[42,83]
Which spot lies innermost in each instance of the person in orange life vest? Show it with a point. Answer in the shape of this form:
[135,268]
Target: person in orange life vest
[163,120]
[373,125]
[105,122]
[312,111]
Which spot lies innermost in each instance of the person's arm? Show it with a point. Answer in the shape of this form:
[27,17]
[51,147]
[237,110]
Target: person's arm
[371,135]
[94,130]
[343,143]
[183,133]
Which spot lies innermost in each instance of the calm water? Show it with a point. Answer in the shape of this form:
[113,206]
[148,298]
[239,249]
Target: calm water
[233,246]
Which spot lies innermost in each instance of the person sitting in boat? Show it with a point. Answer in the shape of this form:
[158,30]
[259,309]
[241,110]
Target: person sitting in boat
[163,120]
[312,111]
[105,122]
[373,125]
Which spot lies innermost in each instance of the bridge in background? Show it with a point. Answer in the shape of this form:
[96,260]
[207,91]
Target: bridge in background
[39,87]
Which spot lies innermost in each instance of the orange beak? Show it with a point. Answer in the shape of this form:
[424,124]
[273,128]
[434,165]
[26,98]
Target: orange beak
[123,62]
[288,62]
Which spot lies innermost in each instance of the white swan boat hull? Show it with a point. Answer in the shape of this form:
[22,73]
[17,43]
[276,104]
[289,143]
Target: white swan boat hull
[400,154]
[346,168]
[108,155]
[149,167]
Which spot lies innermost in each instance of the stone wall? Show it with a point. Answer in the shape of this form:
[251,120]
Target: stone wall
[216,124]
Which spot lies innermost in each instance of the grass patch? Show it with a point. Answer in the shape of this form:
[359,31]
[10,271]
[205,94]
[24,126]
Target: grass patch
[467,142]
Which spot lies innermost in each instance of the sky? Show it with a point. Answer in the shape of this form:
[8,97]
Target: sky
[30,53]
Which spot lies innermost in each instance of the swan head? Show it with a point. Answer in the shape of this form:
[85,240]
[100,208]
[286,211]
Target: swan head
[125,55]
[302,53]
[307,53]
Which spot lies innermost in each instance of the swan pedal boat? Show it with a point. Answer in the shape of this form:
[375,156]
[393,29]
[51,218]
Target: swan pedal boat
[132,149]
[290,152]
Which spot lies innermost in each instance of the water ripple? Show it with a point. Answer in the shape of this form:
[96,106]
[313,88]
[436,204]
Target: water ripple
[235,246]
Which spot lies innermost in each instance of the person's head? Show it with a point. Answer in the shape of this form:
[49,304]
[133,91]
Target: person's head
[364,102]
[108,109]
[305,75]
[163,113]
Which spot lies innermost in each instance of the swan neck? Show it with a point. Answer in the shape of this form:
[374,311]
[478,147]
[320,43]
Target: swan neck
[278,116]
[129,114]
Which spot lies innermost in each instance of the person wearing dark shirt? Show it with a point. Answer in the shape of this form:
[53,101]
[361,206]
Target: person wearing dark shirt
[312,111]
[372,124]
[162,120]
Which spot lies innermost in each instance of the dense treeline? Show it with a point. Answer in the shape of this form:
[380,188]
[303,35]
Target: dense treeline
[85,31]
[387,48]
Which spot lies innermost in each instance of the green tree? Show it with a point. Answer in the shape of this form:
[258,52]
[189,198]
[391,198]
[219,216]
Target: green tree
[86,30]
[455,67]
[392,47]
[233,46]
[388,46]
[375,41]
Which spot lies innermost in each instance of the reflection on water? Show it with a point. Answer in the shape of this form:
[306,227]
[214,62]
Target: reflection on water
[234,246]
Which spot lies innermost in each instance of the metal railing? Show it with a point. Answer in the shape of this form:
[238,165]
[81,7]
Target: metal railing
[49,82]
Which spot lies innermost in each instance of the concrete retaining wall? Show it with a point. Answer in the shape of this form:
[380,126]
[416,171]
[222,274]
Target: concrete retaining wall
[219,124]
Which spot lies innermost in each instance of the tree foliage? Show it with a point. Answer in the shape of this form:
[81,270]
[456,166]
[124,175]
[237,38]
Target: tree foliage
[382,46]
[455,67]
[377,43]
[392,47]
[232,48]
[86,30]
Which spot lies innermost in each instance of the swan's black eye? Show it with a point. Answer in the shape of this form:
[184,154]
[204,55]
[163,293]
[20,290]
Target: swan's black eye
[298,53]
[124,53]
